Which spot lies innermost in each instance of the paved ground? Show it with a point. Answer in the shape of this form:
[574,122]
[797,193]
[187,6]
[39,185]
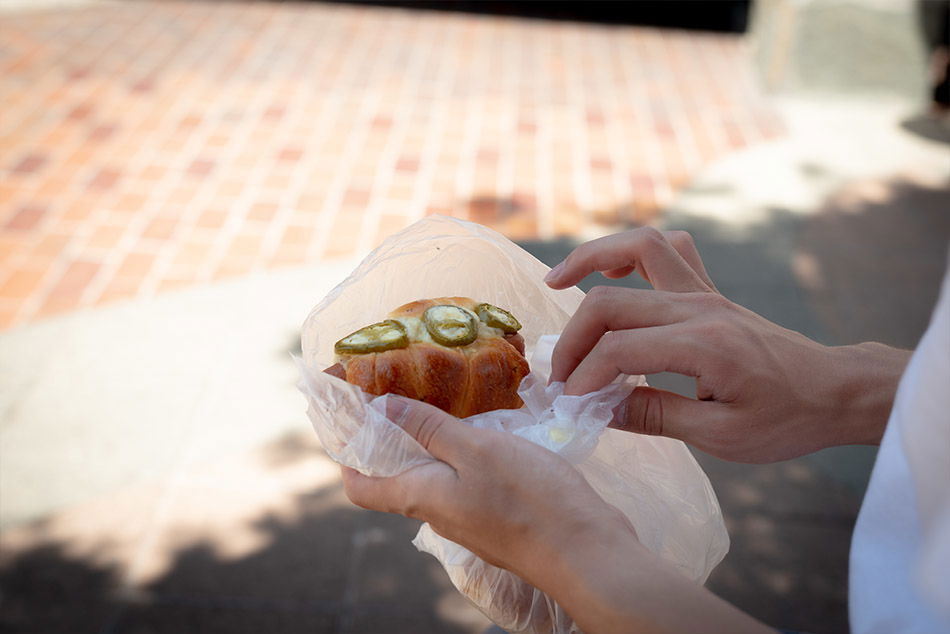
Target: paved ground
[149,146]
[143,490]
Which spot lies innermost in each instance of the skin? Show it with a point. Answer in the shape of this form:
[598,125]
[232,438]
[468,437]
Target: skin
[764,393]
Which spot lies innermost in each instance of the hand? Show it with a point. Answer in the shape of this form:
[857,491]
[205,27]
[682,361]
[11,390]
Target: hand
[523,508]
[514,504]
[763,393]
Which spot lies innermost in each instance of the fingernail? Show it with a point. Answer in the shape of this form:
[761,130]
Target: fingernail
[554,273]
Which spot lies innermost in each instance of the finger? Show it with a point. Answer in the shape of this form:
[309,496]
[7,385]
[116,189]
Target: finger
[445,437]
[631,352]
[683,242]
[406,493]
[645,249]
[336,370]
[608,308]
[517,341]
[661,413]
[616,274]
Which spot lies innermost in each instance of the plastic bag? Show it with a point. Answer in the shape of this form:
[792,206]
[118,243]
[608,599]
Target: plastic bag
[654,481]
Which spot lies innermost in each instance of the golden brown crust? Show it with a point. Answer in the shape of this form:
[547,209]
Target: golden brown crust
[463,380]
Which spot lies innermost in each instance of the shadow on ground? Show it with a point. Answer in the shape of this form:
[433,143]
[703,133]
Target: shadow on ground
[868,266]
[333,568]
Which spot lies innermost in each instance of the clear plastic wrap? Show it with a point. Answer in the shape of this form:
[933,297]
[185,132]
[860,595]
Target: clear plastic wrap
[654,481]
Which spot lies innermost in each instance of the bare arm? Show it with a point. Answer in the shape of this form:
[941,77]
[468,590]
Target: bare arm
[491,492]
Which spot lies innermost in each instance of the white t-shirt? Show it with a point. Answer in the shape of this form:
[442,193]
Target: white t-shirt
[900,553]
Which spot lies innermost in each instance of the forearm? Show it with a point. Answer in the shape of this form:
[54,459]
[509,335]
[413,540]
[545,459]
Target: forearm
[612,584]
[864,384]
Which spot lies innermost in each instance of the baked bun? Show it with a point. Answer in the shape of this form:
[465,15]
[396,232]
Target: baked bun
[462,356]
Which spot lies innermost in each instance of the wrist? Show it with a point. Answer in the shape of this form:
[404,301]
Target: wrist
[866,380]
[608,582]
[593,574]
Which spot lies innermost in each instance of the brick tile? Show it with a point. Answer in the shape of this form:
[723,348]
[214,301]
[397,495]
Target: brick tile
[55,304]
[264,212]
[310,202]
[200,167]
[212,218]
[75,278]
[79,209]
[291,255]
[245,245]
[26,218]
[290,154]
[407,164]
[153,172]
[51,244]
[355,197]
[106,236]
[296,235]
[104,179]
[230,189]
[80,112]
[20,284]
[174,283]
[388,225]
[30,163]
[182,195]
[189,259]
[136,265]
[233,266]
[119,288]
[346,233]
[161,228]
[101,132]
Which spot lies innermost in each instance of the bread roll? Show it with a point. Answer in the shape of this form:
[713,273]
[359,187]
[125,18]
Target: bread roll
[439,354]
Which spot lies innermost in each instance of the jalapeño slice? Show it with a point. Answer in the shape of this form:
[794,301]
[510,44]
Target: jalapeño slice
[450,325]
[385,335]
[498,318]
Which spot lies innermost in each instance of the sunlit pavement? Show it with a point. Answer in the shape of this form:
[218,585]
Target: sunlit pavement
[158,473]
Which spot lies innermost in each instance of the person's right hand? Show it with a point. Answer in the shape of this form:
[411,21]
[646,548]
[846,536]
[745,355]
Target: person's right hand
[763,393]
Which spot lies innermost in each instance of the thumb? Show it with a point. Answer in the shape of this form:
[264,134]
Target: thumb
[441,434]
[660,413]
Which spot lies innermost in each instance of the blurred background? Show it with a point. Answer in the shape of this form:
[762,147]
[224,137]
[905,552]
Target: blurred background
[180,182]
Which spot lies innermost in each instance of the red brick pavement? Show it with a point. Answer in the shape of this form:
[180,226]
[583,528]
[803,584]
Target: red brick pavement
[149,146]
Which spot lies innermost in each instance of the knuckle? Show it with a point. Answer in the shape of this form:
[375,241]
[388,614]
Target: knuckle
[682,239]
[713,333]
[600,295]
[651,239]
[646,416]
[711,302]
[609,343]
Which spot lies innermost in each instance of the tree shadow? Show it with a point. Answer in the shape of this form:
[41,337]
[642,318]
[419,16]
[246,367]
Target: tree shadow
[329,568]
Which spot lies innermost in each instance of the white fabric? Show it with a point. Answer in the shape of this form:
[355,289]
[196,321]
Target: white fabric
[900,553]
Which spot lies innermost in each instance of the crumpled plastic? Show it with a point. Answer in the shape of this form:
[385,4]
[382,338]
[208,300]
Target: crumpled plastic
[654,481]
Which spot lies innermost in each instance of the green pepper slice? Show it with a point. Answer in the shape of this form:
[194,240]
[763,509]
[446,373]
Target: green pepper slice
[450,325]
[498,318]
[385,335]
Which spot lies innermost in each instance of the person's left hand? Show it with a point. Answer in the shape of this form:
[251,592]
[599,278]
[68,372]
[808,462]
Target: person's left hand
[514,504]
